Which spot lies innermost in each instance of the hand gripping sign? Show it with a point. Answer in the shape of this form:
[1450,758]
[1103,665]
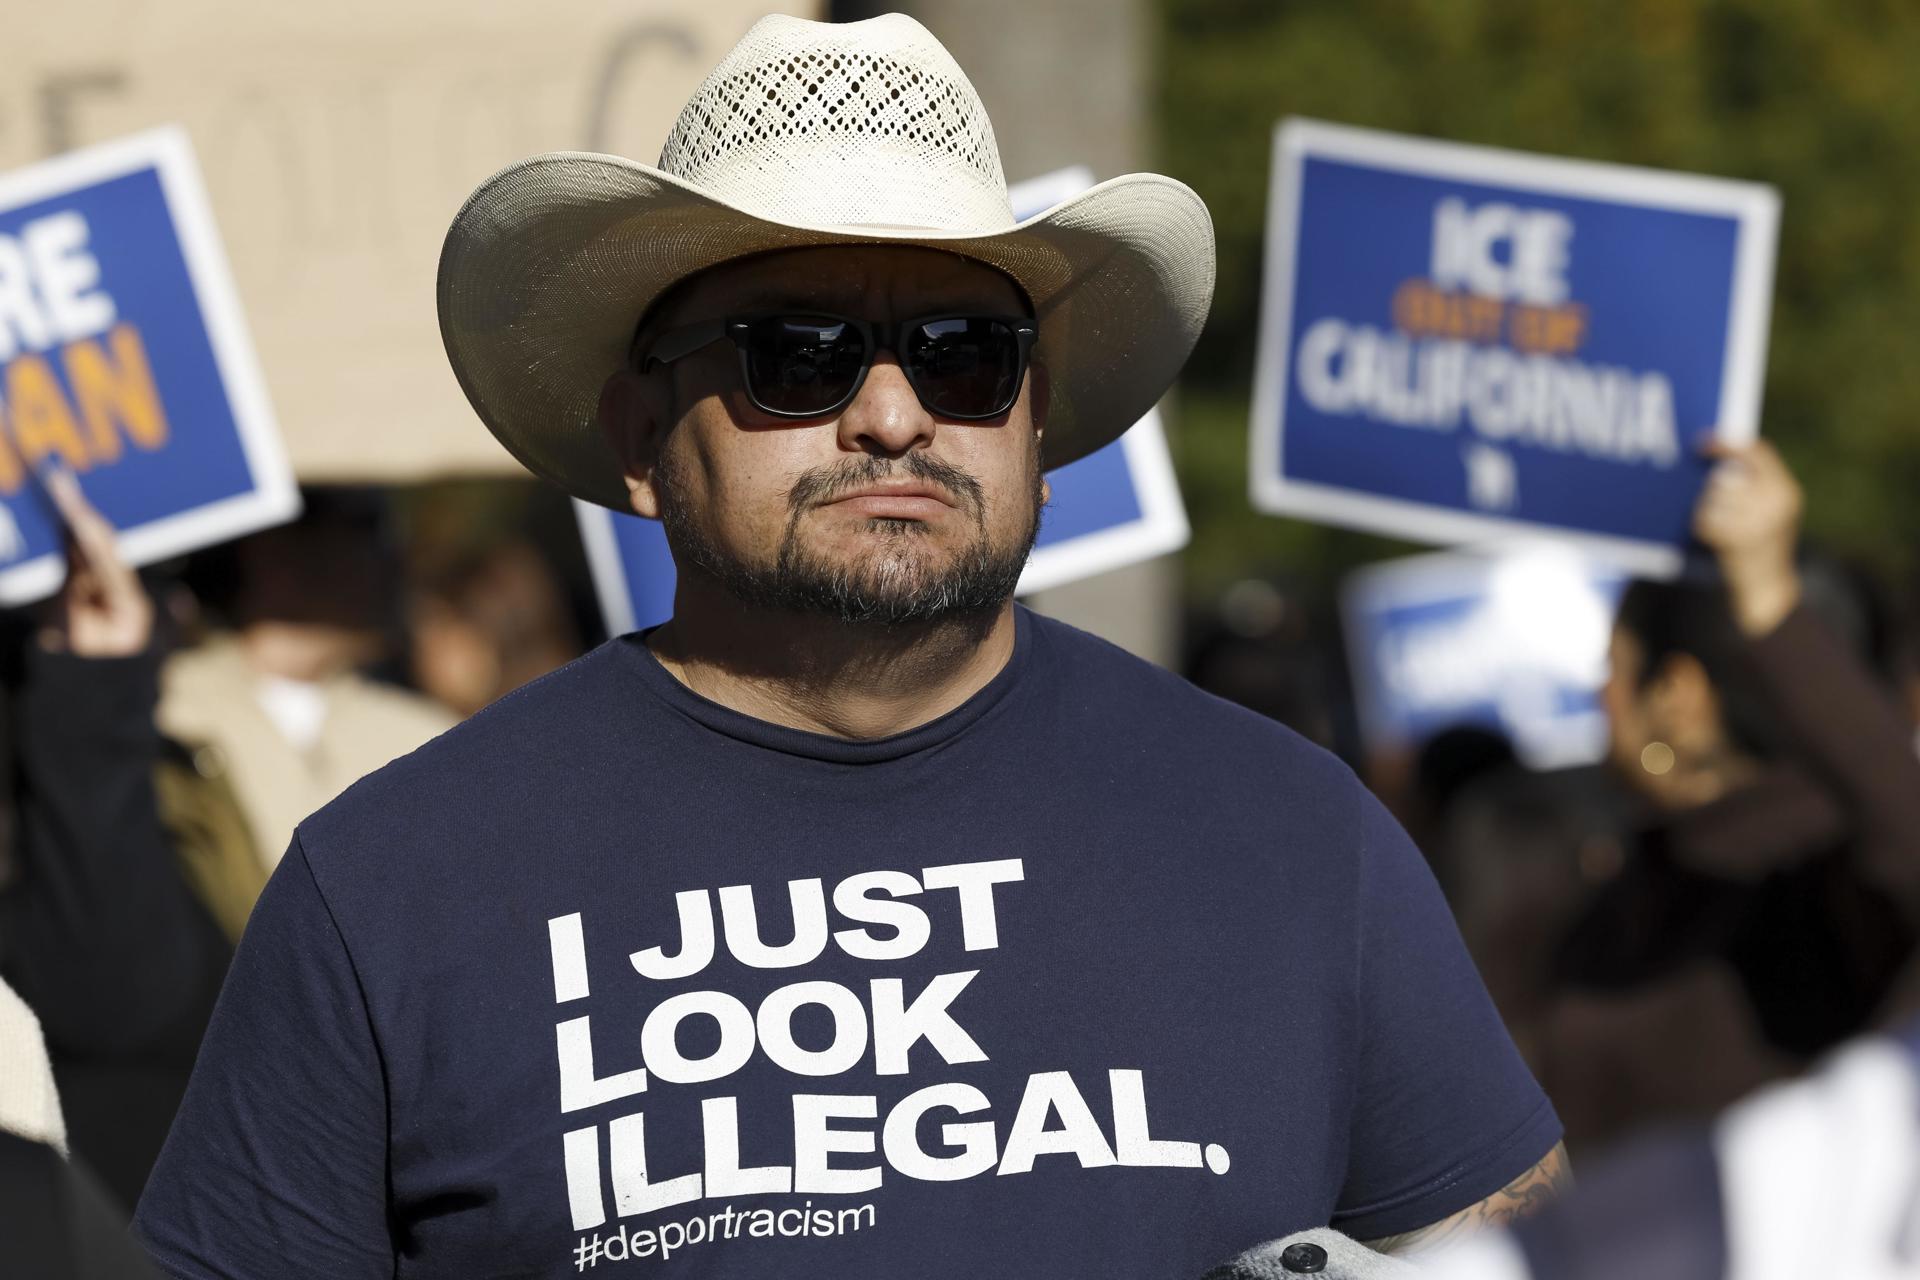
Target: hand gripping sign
[1115,506]
[124,358]
[1459,343]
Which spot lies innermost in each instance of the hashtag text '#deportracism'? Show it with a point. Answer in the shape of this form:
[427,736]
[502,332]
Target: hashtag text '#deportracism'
[727,1224]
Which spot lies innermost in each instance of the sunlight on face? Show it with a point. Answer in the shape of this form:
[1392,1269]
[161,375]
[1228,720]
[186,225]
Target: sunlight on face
[884,512]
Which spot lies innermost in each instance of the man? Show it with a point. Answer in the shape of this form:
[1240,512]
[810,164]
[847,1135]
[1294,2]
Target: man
[854,922]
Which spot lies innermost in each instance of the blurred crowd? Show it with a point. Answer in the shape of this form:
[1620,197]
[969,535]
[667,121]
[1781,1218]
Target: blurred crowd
[164,733]
[1735,889]
[1731,894]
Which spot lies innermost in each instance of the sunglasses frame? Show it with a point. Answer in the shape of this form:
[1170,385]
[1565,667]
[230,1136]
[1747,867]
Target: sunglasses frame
[876,335]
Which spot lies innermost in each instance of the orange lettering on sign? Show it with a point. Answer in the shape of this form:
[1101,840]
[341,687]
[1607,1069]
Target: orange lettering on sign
[42,422]
[1420,310]
[116,390]
[11,474]
[1552,331]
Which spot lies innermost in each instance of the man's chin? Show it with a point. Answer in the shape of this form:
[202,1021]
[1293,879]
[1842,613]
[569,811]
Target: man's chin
[897,582]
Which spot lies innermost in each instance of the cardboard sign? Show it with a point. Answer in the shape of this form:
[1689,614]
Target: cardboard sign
[1459,343]
[1515,642]
[124,358]
[1117,505]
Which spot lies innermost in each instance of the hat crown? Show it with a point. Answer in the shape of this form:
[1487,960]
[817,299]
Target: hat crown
[843,125]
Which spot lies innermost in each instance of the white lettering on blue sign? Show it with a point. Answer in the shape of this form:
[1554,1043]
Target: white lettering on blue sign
[1552,403]
[49,290]
[1535,268]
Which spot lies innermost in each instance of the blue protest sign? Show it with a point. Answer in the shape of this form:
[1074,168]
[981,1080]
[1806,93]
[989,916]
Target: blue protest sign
[1515,642]
[1459,343]
[125,358]
[1115,506]
[632,569]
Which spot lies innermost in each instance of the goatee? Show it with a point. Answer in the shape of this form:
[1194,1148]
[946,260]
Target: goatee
[894,586]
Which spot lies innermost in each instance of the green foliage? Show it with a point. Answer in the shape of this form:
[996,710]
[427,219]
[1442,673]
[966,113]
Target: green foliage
[1818,97]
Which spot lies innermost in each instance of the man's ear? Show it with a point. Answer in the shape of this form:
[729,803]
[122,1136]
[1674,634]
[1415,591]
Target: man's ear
[636,427]
[1039,403]
[1039,395]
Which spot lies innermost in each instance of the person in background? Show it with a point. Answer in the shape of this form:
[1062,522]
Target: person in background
[488,625]
[1818,1176]
[278,704]
[102,932]
[1766,908]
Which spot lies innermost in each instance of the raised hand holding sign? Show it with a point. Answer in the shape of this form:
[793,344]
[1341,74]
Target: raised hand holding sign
[102,610]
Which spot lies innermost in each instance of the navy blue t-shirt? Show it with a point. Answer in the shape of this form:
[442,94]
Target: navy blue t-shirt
[1095,976]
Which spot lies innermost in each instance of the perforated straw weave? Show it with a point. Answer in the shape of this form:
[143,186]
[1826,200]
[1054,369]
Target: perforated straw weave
[807,133]
[867,127]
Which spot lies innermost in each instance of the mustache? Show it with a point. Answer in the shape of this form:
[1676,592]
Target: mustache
[824,484]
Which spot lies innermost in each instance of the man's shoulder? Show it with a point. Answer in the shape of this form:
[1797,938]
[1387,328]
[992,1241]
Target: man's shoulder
[1165,709]
[506,750]
[1108,677]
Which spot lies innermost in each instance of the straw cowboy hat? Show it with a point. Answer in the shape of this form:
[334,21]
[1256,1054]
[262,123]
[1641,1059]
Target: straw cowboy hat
[807,133]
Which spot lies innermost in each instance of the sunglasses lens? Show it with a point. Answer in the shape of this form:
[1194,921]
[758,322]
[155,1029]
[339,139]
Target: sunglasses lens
[967,366]
[803,365]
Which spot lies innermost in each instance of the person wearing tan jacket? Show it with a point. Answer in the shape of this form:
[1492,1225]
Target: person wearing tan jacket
[278,705]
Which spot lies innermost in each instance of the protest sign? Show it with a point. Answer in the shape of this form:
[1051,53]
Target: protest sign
[124,358]
[1459,343]
[632,569]
[1113,507]
[1514,642]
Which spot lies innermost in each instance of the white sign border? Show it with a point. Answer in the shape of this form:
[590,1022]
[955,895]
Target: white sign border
[605,565]
[1754,206]
[1160,529]
[275,497]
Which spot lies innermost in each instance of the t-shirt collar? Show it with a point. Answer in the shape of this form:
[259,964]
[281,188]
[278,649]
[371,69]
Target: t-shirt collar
[660,683]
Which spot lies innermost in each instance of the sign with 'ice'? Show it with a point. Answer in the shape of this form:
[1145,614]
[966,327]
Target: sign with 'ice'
[1459,343]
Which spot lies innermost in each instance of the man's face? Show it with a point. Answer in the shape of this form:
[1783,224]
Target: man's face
[884,512]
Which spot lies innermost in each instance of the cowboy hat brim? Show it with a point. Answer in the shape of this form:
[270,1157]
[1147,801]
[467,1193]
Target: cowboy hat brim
[551,263]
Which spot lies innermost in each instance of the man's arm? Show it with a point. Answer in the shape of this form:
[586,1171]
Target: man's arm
[1527,1193]
[277,1163]
[1443,1113]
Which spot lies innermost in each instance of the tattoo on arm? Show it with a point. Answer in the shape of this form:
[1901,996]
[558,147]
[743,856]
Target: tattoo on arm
[1526,1194]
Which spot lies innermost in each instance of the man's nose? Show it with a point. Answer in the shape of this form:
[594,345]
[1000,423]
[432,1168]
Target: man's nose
[886,418]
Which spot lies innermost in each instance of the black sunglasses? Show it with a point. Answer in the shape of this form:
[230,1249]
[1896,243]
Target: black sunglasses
[806,365]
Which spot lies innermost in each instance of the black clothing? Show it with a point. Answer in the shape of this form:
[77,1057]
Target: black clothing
[99,933]
[56,1222]
[1804,885]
